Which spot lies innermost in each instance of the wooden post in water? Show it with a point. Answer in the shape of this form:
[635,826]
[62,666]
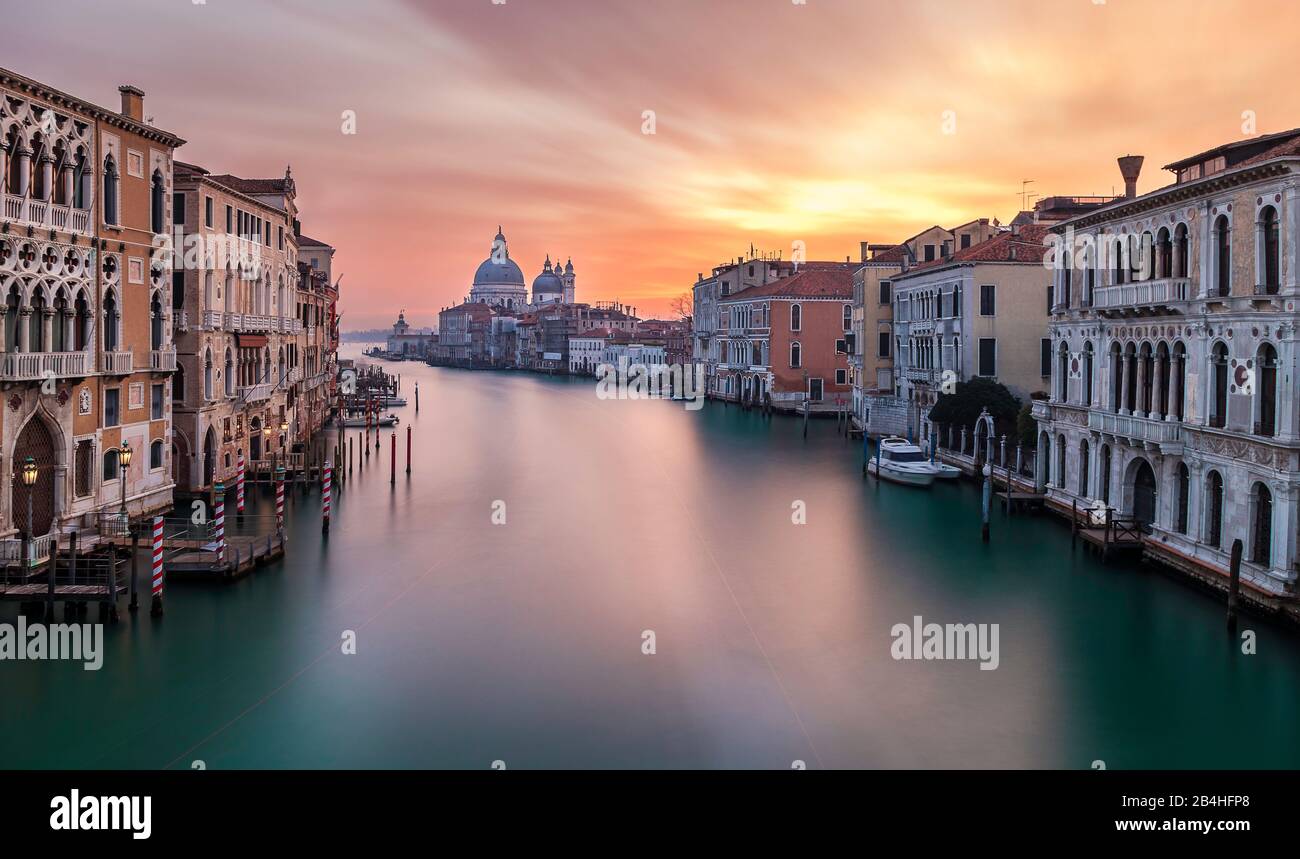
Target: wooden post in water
[135,563]
[1074,521]
[988,500]
[1234,585]
[392,469]
[220,519]
[408,448]
[417,397]
[279,502]
[1105,538]
[50,565]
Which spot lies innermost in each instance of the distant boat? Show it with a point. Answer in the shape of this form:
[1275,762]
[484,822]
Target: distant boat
[900,461]
[390,402]
[383,421]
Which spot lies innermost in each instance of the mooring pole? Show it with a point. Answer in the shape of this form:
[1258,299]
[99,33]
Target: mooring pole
[279,502]
[239,486]
[417,397]
[54,554]
[220,517]
[1234,585]
[156,609]
[1074,521]
[135,567]
[408,448]
[325,500]
[392,470]
[988,500]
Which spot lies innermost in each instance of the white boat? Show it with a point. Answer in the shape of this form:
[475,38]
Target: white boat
[390,402]
[382,421]
[900,461]
[944,471]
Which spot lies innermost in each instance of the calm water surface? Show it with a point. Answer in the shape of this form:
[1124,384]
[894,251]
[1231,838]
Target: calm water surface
[522,642]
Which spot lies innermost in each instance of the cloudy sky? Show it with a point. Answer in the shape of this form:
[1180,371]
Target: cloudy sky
[826,122]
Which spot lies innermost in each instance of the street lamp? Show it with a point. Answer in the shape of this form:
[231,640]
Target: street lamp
[29,480]
[124,459]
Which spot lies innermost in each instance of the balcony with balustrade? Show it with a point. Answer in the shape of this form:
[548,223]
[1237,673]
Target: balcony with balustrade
[255,393]
[46,214]
[162,360]
[1137,430]
[116,363]
[37,366]
[1167,295]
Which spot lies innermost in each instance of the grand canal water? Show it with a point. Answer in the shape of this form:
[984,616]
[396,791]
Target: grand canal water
[522,642]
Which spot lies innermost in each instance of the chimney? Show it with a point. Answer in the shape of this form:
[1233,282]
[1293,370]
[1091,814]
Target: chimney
[862,246]
[132,102]
[1129,167]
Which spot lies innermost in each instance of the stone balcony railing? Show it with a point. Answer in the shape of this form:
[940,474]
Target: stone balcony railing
[116,363]
[163,360]
[42,213]
[212,319]
[29,366]
[1136,428]
[180,320]
[255,393]
[1148,295]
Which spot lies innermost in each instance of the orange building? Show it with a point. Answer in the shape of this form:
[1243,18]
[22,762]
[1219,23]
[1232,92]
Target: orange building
[86,354]
[785,342]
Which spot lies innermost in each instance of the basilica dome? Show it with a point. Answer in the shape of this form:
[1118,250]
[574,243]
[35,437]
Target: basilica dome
[498,269]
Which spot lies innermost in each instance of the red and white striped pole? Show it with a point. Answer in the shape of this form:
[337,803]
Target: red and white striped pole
[220,490]
[325,497]
[156,609]
[239,485]
[279,500]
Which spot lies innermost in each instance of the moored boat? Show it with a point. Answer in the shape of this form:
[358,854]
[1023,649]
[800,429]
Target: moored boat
[899,461]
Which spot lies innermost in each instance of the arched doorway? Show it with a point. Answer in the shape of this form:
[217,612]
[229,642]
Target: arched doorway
[180,460]
[34,441]
[209,456]
[255,439]
[1144,493]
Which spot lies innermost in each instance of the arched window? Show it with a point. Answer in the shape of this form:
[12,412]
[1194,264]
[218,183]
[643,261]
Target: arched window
[796,317]
[1105,473]
[178,383]
[1269,246]
[1214,509]
[229,377]
[1060,462]
[36,321]
[156,322]
[62,327]
[1162,365]
[110,190]
[796,355]
[1222,256]
[81,182]
[1087,373]
[110,322]
[1116,377]
[1266,390]
[112,470]
[1178,379]
[1164,253]
[1063,373]
[1147,375]
[1180,250]
[208,293]
[1184,486]
[13,302]
[1130,377]
[1120,249]
[81,328]
[156,198]
[207,375]
[1219,393]
[1084,452]
[156,453]
[1261,502]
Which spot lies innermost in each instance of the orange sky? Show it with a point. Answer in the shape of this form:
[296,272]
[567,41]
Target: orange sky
[775,122]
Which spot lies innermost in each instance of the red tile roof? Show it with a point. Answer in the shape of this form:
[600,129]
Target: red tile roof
[1026,246]
[829,281]
[308,241]
[1286,147]
[250,186]
[1285,138]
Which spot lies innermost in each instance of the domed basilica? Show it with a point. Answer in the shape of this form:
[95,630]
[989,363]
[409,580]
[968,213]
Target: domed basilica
[500,282]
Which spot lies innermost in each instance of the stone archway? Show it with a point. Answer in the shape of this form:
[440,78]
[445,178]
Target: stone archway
[1141,489]
[209,457]
[35,441]
[180,460]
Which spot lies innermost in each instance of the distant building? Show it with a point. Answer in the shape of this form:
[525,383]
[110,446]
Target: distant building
[406,340]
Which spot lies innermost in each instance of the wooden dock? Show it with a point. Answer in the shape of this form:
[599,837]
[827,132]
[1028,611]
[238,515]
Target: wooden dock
[243,555]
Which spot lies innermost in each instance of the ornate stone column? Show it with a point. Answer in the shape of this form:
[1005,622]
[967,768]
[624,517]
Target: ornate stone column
[47,330]
[1125,361]
[24,329]
[47,176]
[24,171]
